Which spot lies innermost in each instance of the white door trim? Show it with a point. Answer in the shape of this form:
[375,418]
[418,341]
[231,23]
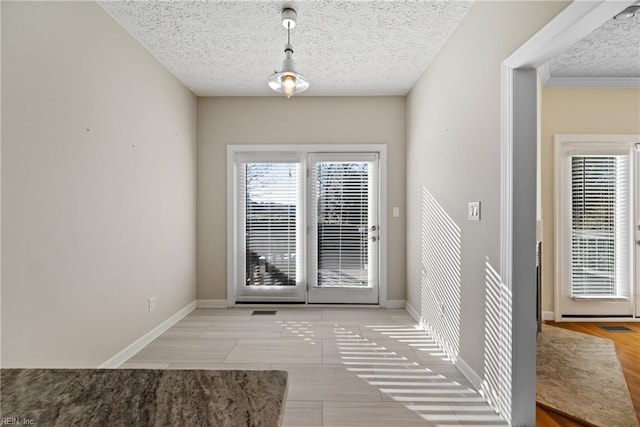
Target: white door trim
[636,225]
[232,149]
[518,200]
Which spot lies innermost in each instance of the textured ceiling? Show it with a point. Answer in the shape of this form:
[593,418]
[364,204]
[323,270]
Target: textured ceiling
[612,50]
[229,48]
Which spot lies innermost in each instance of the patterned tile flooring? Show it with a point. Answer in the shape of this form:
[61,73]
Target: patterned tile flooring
[347,366]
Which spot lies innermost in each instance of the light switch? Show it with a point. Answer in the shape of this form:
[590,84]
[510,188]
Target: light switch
[396,211]
[473,211]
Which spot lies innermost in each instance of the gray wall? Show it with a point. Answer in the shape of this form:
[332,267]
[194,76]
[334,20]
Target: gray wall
[277,120]
[453,157]
[98,187]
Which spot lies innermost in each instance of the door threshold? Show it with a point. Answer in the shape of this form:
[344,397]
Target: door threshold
[301,304]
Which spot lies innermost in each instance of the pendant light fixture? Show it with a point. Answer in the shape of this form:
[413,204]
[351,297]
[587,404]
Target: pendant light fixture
[288,81]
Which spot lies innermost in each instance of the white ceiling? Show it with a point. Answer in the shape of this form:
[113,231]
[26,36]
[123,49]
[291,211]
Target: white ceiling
[356,47]
[612,50]
[229,48]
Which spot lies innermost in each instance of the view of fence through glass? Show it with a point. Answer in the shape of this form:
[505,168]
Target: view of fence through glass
[594,191]
[342,203]
[271,211]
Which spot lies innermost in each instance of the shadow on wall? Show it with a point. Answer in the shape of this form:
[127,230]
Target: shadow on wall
[496,386]
[440,276]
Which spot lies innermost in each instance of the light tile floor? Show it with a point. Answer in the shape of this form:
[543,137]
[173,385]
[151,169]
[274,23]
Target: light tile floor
[347,366]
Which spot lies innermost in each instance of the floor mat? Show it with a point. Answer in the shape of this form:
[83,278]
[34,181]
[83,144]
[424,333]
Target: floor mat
[579,376]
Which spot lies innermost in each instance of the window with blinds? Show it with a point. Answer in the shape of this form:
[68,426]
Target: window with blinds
[599,226]
[342,201]
[271,221]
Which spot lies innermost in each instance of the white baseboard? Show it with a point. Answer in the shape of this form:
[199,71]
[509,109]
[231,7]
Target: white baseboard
[469,373]
[601,319]
[211,303]
[412,311]
[394,303]
[463,367]
[141,342]
[548,315]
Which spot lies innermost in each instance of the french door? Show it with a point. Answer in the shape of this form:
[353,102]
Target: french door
[305,227]
[343,243]
[269,225]
[597,225]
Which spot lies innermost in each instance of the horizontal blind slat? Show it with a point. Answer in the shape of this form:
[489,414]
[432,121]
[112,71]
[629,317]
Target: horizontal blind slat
[341,205]
[271,209]
[595,204]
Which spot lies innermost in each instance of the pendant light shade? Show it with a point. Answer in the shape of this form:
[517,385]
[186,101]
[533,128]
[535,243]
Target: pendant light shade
[288,81]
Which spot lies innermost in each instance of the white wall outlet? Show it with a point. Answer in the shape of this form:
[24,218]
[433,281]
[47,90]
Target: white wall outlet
[396,211]
[152,303]
[473,211]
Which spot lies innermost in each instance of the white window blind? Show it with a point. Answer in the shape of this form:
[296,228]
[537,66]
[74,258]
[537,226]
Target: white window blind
[270,213]
[599,206]
[342,206]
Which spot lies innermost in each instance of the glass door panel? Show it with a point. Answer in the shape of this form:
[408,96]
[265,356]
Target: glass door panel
[343,243]
[271,217]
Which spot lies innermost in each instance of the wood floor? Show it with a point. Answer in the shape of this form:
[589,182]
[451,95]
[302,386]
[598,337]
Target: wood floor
[628,348]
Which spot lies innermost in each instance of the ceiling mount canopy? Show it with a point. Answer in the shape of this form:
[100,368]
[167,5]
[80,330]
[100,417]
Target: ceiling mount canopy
[628,13]
[288,81]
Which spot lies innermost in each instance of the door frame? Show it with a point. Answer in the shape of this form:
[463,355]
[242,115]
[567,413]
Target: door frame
[620,142]
[303,149]
[636,228]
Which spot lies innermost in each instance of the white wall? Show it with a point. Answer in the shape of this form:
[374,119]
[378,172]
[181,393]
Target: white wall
[98,187]
[453,157]
[576,111]
[302,120]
